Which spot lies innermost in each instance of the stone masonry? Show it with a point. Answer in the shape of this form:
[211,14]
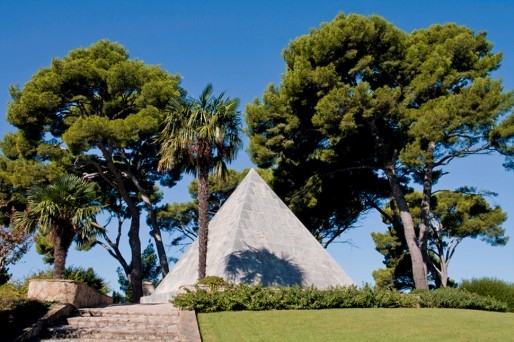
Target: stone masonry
[67,291]
[136,322]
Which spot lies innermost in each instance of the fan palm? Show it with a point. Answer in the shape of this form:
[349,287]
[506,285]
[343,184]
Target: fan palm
[200,136]
[64,210]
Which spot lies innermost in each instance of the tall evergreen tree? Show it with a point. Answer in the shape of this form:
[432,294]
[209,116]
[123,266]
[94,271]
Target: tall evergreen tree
[455,216]
[97,113]
[367,104]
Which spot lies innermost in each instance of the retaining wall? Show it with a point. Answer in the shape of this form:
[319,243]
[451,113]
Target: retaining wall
[67,291]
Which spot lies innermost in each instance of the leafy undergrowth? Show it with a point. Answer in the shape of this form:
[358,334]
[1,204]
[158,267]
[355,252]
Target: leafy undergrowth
[84,275]
[19,313]
[256,298]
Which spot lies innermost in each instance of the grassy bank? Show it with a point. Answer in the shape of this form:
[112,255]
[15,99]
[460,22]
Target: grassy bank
[357,325]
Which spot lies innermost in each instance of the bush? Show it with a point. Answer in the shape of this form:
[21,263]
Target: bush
[87,276]
[214,282]
[490,287]
[13,290]
[17,313]
[453,298]
[256,297]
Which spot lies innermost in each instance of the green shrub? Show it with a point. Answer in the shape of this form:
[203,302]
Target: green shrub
[453,298]
[13,290]
[214,282]
[490,287]
[87,276]
[256,297]
[19,313]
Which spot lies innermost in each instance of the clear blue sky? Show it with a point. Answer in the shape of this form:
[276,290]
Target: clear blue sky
[236,45]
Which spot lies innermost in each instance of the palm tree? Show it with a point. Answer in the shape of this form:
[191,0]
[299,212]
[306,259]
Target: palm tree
[64,210]
[200,136]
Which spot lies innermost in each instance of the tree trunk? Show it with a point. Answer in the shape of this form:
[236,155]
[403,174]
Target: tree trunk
[436,274]
[425,208]
[444,258]
[155,232]
[61,245]
[203,219]
[444,273]
[159,245]
[419,267]
[135,278]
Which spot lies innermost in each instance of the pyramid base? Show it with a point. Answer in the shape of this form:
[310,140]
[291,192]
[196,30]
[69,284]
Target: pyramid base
[158,298]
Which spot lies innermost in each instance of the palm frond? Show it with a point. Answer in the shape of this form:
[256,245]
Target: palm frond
[70,200]
[208,128]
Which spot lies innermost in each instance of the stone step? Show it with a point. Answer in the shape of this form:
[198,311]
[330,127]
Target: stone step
[122,312]
[110,334]
[147,322]
[96,340]
[75,339]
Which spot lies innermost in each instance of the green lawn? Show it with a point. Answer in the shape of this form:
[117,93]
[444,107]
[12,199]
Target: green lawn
[358,325]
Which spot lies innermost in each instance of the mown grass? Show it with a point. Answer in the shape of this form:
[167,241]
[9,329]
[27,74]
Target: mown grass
[357,325]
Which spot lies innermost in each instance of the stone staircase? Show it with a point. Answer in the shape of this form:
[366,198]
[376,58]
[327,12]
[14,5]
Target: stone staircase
[137,322]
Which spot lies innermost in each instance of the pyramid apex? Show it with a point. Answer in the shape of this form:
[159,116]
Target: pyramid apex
[252,171]
[253,175]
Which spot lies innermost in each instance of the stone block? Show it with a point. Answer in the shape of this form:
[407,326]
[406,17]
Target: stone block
[67,291]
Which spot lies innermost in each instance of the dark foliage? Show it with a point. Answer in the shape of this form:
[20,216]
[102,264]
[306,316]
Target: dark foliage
[493,288]
[17,314]
[87,276]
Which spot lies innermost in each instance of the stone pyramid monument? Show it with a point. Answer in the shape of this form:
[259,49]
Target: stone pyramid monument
[255,238]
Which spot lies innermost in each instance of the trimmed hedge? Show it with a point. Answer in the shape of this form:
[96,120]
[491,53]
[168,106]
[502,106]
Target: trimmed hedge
[491,287]
[452,298]
[256,297]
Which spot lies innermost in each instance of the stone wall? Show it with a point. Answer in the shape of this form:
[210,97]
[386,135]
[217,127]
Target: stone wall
[67,291]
